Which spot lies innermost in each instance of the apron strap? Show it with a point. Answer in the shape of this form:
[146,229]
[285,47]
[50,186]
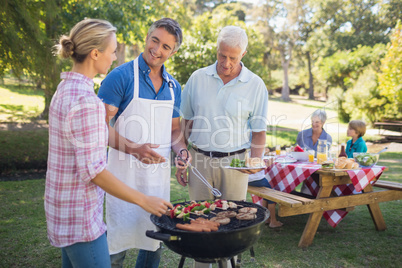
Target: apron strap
[170,83]
[136,80]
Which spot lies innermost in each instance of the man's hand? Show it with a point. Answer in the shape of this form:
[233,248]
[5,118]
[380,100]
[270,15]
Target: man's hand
[269,161]
[182,161]
[146,154]
[181,176]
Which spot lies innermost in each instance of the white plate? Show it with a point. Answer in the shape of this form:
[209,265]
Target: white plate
[285,161]
[303,156]
[245,168]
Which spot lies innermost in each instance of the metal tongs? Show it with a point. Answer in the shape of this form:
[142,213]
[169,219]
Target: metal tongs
[197,173]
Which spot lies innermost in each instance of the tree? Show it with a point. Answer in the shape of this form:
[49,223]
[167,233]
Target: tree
[390,78]
[278,22]
[29,29]
[349,23]
[27,34]
[199,46]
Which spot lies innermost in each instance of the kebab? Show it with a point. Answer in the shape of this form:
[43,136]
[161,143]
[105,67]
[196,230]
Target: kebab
[184,211]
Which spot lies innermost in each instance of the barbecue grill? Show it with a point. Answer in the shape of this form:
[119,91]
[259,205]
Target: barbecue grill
[211,247]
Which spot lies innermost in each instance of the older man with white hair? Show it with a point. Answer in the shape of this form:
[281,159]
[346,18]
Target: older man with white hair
[224,107]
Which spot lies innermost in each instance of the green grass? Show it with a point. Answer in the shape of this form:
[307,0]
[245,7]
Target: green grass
[20,103]
[353,243]
[24,243]
[282,136]
[23,150]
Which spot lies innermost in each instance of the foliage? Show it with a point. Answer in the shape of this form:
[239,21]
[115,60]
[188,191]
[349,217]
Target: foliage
[374,90]
[391,12]
[199,47]
[360,100]
[344,67]
[390,79]
[348,23]
[30,28]
[316,28]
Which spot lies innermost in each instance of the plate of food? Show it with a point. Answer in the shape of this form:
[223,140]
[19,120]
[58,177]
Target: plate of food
[249,165]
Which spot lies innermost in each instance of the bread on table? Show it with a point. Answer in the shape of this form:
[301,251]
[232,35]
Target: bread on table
[346,163]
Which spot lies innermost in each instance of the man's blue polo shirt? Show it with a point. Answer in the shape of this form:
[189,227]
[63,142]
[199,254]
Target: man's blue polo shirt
[117,89]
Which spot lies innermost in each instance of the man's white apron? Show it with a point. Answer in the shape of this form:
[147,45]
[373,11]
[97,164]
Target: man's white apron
[143,121]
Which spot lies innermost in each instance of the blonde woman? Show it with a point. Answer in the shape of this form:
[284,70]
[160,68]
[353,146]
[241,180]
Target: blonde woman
[76,177]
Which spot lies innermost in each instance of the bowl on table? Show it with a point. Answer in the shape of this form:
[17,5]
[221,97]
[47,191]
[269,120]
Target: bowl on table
[300,156]
[366,160]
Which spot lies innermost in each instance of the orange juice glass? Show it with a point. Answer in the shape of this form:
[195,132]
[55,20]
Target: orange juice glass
[278,149]
[311,157]
[321,158]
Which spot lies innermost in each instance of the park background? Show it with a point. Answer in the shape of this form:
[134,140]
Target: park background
[343,56]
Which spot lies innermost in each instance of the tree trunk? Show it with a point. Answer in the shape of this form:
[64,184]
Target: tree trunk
[310,78]
[51,70]
[285,66]
[51,79]
[121,53]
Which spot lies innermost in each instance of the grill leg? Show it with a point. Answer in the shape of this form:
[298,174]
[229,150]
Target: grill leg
[252,255]
[232,262]
[221,262]
[181,264]
[238,261]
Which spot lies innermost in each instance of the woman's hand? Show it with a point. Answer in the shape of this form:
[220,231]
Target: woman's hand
[156,205]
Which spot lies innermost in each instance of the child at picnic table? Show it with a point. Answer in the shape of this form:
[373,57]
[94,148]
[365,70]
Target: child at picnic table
[256,181]
[356,130]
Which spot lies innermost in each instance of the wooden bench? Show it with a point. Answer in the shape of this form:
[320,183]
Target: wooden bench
[281,198]
[388,185]
[390,125]
[291,204]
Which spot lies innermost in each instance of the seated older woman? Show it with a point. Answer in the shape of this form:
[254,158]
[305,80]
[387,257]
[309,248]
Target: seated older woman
[308,138]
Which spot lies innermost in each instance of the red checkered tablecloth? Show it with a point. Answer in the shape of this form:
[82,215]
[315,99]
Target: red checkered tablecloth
[360,179]
[286,177]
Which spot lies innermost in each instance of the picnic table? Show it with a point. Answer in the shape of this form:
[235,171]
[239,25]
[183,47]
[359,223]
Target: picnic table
[328,193]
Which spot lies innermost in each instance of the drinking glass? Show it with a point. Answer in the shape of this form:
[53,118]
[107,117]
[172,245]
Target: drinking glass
[311,155]
[278,149]
[322,151]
